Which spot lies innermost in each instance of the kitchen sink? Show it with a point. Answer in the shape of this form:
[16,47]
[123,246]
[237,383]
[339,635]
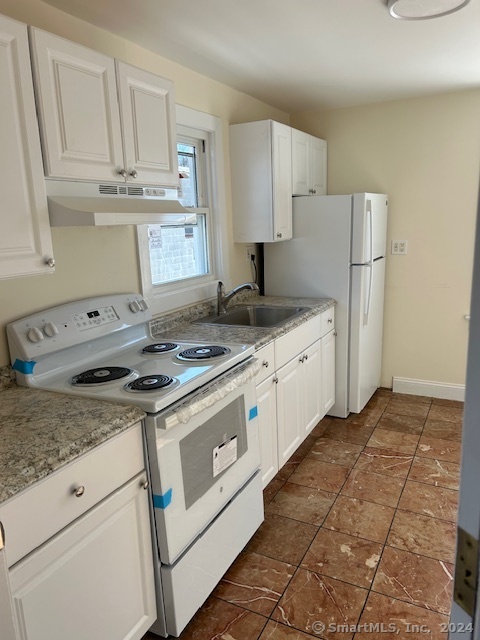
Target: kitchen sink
[254,316]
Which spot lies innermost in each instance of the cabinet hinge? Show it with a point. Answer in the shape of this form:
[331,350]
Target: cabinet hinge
[203,146]
[2,536]
[465,587]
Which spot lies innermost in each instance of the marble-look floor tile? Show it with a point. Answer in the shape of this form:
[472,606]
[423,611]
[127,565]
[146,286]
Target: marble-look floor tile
[319,429]
[416,579]
[282,538]
[385,462]
[408,397]
[429,500]
[401,618]
[218,619]
[360,518]
[424,535]
[344,557]
[255,582]
[319,475]
[448,450]
[344,431]
[302,503]
[312,600]
[271,489]
[303,449]
[343,453]
[405,424]
[436,472]
[373,487]
[276,631]
[446,413]
[395,440]
[411,409]
[443,430]
[448,403]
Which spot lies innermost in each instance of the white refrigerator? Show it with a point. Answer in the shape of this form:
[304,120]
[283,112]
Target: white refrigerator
[338,251]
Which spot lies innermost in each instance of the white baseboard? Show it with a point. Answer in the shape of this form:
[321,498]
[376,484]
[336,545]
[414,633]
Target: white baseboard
[428,388]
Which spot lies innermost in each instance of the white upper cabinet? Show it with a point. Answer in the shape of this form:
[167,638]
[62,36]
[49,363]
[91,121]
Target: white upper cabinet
[147,109]
[261,167]
[102,121]
[25,240]
[309,164]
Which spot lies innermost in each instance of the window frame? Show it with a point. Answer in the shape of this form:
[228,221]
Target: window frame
[181,293]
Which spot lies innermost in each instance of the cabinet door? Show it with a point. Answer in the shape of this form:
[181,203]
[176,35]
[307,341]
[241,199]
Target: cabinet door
[78,108]
[289,410]
[94,579]
[300,162]
[312,386]
[328,366]
[7,618]
[25,240]
[318,166]
[147,108]
[282,181]
[267,425]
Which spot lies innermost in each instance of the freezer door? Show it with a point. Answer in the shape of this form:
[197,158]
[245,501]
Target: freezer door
[366,332]
[369,227]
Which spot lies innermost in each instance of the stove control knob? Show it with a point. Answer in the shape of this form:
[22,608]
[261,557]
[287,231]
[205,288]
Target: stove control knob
[50,330]
[34,334]
[143,304]
[135,306]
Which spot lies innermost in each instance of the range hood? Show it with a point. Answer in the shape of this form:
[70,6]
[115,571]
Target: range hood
[74,204]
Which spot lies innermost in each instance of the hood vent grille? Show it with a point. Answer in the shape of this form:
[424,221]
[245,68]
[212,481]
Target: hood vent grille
[108,189]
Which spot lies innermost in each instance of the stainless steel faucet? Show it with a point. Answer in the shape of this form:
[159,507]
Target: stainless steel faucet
[224,298]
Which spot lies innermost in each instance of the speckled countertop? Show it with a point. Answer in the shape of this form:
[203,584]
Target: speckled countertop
[180,325]
[41,431]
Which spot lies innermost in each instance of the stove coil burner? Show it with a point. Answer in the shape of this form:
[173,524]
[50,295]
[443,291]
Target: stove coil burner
[203,353]
[150,383]
[160,347]
[101,375]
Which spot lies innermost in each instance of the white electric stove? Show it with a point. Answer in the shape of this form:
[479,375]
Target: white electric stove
[201,431]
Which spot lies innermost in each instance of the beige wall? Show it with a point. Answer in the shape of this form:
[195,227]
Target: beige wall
[98,261]
[425,153]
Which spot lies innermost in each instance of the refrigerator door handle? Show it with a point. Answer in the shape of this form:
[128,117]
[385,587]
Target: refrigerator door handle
[368,300]
[370,221]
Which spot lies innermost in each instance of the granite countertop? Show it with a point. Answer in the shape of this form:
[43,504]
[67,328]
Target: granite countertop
[40,431]
[180,325]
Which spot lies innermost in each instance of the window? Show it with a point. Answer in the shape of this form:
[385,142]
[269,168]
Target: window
[181,264]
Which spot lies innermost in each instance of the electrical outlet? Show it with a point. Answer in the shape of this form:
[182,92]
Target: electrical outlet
[249,252]
[399,247]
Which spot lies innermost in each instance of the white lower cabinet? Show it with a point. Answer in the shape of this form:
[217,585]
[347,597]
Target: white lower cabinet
[267,415]
[295,389]
[94,577]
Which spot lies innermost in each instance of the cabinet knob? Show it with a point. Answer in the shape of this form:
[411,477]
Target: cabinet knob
[330,320]
[133,173]
[279,235]
[275,380]
[79,491]
[265,364]
[50,262]
[144,484]
[123,173]
[312,191]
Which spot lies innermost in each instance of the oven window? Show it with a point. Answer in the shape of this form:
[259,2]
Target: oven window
[196,449]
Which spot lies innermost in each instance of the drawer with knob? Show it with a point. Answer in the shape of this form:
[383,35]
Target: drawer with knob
[266,357]
[36,514]
[327,321]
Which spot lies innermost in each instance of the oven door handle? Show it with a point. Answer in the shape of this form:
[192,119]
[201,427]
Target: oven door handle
[210,394]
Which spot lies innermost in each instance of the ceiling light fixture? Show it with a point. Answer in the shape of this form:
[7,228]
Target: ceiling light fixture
[423,9]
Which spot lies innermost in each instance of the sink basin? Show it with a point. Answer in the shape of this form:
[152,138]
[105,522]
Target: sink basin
[254,316]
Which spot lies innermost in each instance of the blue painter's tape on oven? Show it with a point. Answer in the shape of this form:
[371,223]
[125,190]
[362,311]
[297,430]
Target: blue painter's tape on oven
[162,502]
[23,367]
[253,413]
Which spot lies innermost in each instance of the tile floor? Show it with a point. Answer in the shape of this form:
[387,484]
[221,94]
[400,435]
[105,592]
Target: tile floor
[359,533]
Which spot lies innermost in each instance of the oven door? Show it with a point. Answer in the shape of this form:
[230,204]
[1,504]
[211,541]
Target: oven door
[197,467]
